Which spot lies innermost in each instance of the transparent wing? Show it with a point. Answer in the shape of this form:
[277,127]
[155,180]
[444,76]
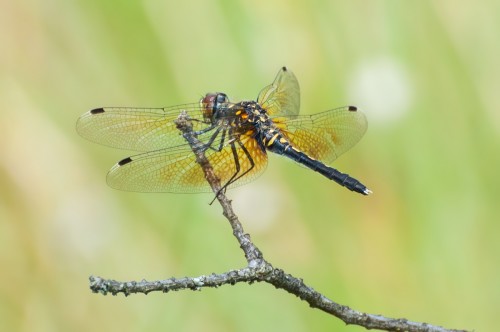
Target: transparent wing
[327,135]
[175,169]
[139,129]
[282,97]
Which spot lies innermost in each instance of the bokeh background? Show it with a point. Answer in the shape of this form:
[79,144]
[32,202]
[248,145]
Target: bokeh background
[424,246]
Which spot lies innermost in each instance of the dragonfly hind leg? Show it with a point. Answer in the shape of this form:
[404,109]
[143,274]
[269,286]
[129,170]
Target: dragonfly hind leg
[235,177]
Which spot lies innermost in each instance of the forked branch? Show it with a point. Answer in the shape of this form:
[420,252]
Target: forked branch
[257,270]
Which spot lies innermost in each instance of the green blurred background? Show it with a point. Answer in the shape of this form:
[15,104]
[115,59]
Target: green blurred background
[424,246]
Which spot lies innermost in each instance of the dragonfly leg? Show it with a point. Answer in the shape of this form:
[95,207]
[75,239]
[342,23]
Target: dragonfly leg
[208,145]
[205,146]
[238,167]
[250,159]
[235,176]
[221,144]
[204,130]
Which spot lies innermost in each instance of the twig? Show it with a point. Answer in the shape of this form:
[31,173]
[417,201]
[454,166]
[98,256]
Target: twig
[257,270]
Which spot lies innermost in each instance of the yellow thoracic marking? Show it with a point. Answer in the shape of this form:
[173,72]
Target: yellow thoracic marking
[271,141]
[238,112]
[283,140]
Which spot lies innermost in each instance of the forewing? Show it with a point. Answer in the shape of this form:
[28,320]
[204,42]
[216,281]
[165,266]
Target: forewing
[327,135]
[282,97]
[139,129]
[175,169]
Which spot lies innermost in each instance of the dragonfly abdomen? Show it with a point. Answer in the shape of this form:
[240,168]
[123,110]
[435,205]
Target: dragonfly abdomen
[331,173]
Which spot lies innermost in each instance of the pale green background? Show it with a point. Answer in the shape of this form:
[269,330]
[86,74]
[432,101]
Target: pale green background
[425,246]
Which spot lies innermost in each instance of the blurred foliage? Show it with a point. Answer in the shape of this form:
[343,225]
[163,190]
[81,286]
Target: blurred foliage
[424,246]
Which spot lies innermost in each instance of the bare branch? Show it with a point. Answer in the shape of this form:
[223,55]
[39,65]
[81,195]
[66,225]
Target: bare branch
[250,250]
[257,270]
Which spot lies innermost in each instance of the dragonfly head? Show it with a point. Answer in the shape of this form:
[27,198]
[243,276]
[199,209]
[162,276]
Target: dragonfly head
[211,103]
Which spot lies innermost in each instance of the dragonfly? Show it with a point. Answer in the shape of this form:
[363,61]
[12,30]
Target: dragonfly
[235,138]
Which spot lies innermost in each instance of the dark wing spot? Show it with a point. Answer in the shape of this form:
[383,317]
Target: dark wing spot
[97,111]
[124,161]
[284,68]
[352,108]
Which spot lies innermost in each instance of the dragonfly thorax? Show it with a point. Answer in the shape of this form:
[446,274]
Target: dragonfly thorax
[254,114]
[266,132]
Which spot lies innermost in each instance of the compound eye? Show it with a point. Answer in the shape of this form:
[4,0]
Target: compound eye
[209,99]
[211,103]
[221,98]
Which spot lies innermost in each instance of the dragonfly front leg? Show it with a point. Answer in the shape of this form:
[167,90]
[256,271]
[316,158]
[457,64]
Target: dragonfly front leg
[221,144]
[204,130]
[208,145]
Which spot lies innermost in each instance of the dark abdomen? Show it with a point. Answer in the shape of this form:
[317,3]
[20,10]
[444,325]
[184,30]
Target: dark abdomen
[329,172]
